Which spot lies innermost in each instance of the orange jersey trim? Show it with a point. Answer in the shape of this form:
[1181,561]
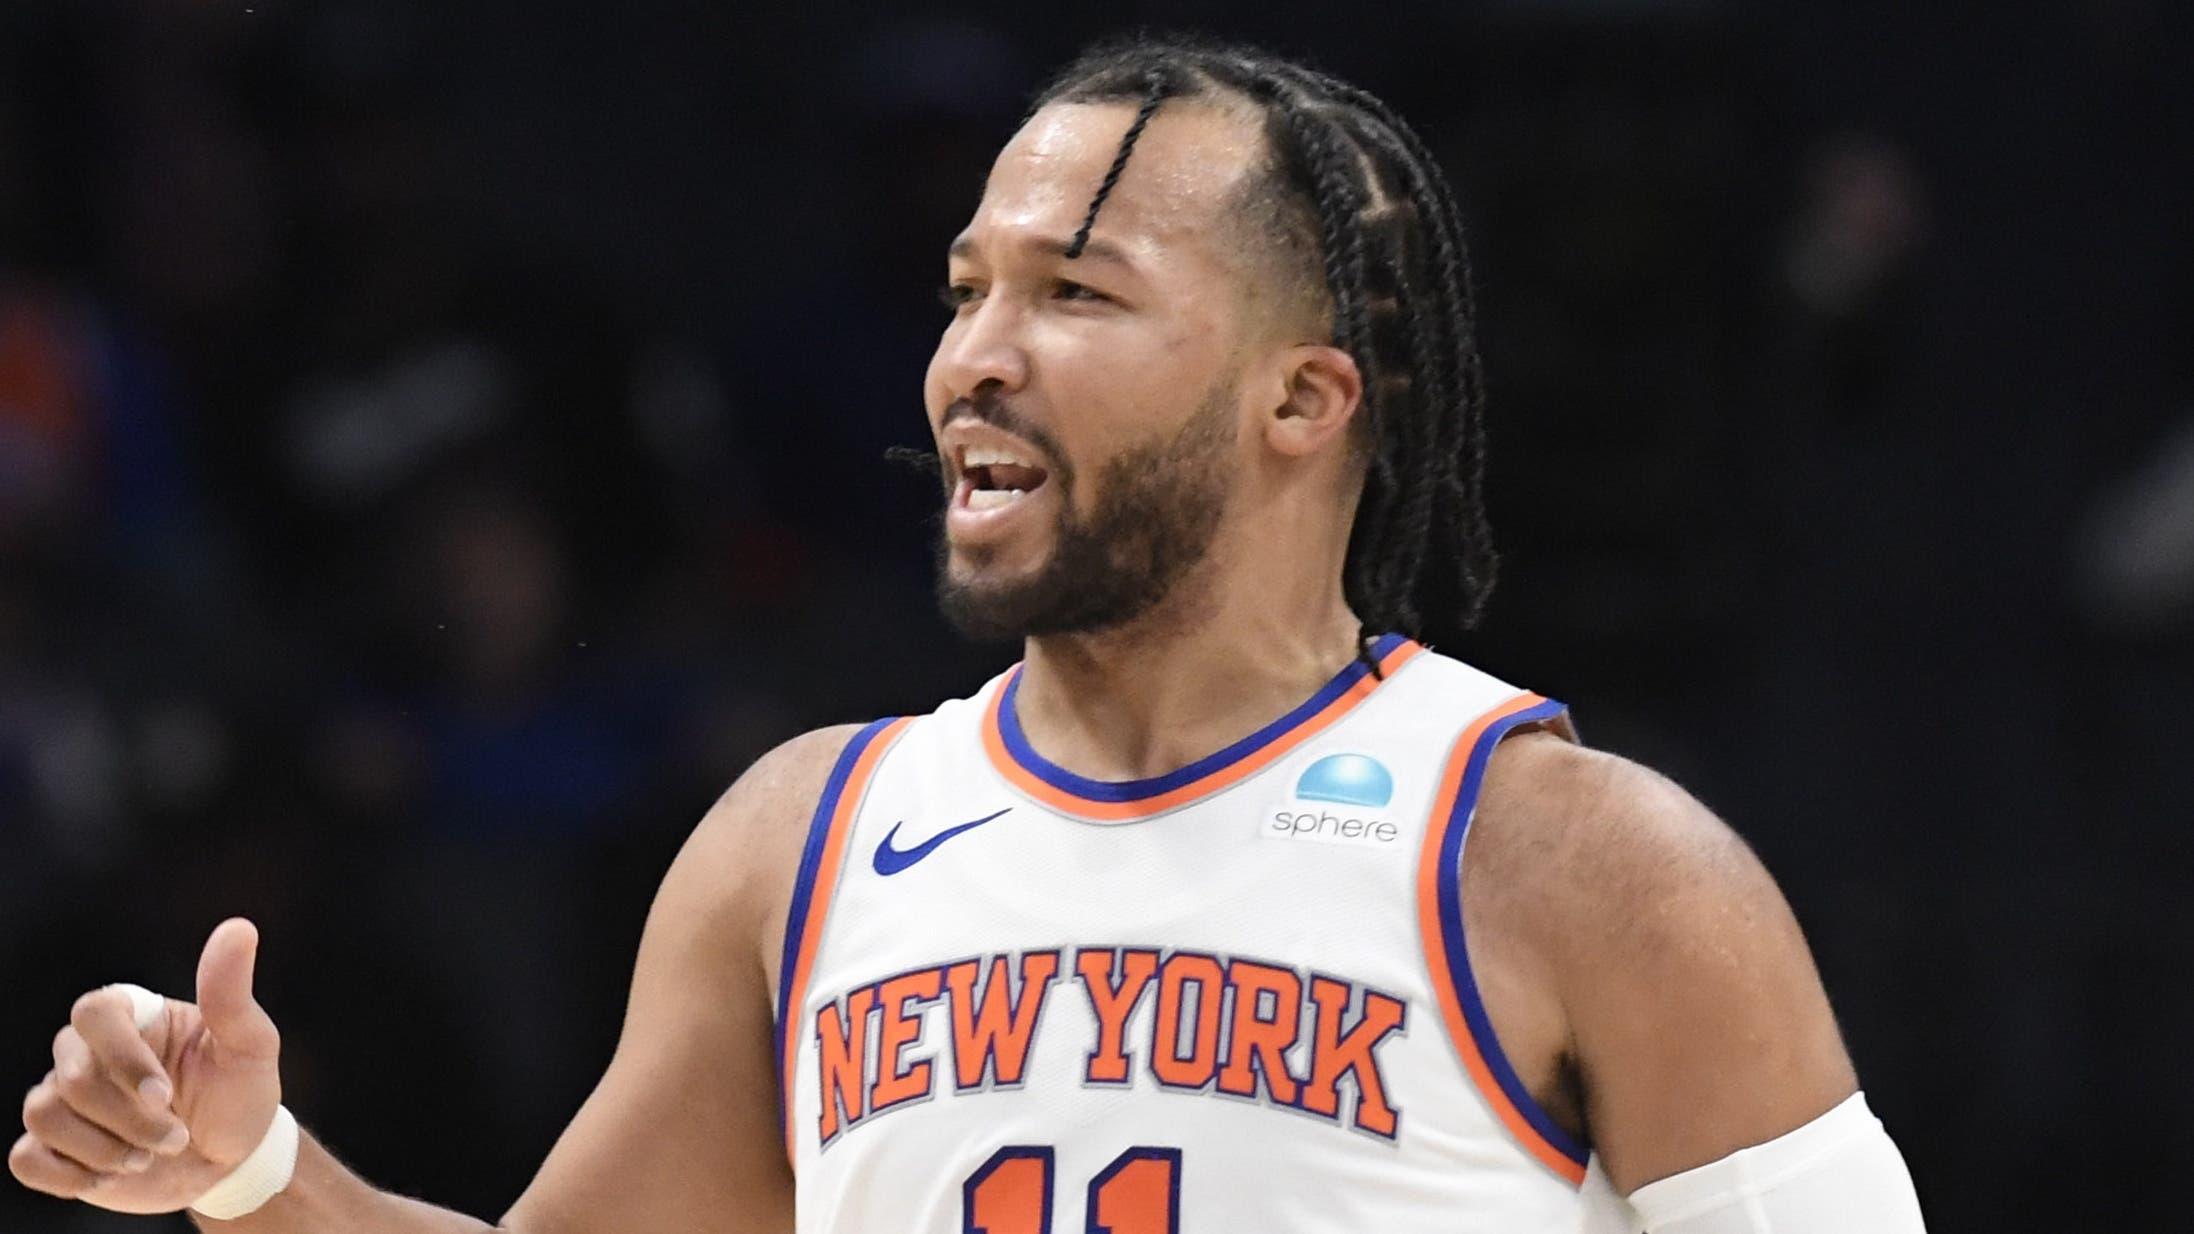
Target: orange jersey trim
[1445,951]
[811,901]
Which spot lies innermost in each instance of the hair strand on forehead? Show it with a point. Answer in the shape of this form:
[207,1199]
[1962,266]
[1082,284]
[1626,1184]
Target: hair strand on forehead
[1152,96]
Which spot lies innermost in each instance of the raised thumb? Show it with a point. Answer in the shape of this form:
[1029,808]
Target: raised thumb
[224,992]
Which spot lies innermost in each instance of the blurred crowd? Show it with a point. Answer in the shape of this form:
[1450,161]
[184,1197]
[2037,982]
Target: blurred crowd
[441,445]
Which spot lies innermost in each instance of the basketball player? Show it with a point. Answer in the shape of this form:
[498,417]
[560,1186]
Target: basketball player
[1172,929]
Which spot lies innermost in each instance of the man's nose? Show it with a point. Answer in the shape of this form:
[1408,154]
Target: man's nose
[986,349]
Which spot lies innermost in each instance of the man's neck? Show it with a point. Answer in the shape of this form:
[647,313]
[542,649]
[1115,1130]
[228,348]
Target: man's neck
[1182,682]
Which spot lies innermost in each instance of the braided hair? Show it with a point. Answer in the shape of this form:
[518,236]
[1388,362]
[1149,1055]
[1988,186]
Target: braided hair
[1355,195]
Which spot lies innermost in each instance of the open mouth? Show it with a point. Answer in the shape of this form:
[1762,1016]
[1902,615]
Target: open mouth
[991,478]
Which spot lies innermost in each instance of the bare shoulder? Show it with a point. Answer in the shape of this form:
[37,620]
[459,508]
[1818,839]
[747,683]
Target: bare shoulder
[769,804]
[741,858]
[1688,1004]
[1613,853]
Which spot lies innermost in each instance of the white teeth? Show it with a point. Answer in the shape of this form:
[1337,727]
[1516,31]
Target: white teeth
[991,498]
[989,456]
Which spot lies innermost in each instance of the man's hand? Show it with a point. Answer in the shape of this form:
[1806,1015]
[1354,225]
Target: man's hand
[145,1121]
[683,1135]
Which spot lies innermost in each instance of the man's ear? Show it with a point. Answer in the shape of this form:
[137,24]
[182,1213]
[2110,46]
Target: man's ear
[1321,393]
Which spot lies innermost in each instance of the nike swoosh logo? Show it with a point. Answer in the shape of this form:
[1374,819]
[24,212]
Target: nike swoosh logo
[891,860]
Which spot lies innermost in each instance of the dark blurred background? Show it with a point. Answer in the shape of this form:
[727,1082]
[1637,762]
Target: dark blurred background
[440,446]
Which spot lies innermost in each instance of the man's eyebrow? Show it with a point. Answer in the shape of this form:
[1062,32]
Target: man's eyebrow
[1055,246]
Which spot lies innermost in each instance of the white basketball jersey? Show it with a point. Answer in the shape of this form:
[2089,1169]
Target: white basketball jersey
[1232,999]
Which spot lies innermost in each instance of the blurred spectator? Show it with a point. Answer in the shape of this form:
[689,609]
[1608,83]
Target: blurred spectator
[2139,573]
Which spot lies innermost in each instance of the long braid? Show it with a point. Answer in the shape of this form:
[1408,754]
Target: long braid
[1342,197]
[1395,271]
[1427,450]
[1462,511]
[1464,485]
[1340,201]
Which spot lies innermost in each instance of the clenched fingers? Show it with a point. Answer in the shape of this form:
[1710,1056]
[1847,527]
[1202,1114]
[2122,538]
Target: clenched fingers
[99,1096]
[48,1117]
[104,1019]
[41,1169]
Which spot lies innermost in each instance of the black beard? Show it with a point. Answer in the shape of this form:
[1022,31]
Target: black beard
[1159,511]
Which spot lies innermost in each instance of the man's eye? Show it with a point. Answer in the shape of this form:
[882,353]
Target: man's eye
[956,295]
[1067,289]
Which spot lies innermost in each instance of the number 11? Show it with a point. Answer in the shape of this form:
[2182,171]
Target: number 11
[1139,1193]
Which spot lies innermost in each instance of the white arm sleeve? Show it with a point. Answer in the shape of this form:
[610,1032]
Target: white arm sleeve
[1836,1175]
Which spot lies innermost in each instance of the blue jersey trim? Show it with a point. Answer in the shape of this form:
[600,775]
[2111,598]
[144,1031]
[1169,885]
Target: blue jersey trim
[1016,742]
[803,886]
[1449,881]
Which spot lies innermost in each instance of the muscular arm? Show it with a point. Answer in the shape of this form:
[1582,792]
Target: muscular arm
[1646,963]
[681,1136]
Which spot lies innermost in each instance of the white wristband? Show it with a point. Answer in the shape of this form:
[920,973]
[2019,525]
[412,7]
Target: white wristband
[259,1177]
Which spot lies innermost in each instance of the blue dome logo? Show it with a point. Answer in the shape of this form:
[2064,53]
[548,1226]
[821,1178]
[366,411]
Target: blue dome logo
[1347,779]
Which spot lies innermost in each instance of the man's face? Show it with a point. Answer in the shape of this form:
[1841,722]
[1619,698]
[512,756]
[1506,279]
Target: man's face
[1085,409]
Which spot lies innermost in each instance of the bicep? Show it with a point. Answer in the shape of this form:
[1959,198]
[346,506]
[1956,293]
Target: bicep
[682,1135]
[1697,1017]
